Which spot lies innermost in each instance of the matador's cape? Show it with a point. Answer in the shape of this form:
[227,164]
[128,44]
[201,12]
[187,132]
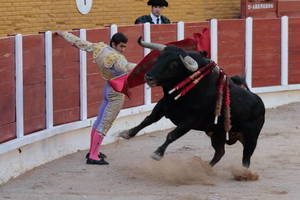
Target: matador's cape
[199,42]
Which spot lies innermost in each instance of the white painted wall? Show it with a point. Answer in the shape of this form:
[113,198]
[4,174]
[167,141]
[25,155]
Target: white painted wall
[15,162]
[275,99]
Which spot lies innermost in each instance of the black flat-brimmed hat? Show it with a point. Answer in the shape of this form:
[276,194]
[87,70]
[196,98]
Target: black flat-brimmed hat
[158,3]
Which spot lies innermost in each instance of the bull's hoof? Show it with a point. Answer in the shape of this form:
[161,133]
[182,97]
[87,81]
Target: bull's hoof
[125,135]
[156,156]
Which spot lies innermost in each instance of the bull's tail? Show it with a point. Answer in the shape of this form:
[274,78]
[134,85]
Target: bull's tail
[240,81]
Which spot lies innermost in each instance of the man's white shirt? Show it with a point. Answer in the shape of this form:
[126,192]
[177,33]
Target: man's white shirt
[154,19]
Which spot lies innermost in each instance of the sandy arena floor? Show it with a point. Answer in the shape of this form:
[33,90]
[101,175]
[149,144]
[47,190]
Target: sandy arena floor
[182,174]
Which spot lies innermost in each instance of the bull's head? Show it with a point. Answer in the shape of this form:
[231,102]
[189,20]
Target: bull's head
[171,63]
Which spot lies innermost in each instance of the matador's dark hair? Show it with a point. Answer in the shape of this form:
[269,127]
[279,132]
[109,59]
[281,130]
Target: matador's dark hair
[117,38]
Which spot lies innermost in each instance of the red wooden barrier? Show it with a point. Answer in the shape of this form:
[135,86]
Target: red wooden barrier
[231,46]
[95,83]
[266,52]
[194,27]
[34,83]
[162,35]
[289,8]
[7,90]
[134,53]
[66,68]
[294,50]
[66,83]
[259,8]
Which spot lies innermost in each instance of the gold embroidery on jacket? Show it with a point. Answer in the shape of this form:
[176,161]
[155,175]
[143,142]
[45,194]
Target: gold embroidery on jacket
[111,58]
[98,48]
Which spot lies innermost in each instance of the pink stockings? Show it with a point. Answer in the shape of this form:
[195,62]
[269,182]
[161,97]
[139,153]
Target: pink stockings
[96,141]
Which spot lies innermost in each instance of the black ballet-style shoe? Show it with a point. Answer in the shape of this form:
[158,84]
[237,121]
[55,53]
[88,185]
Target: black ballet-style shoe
[101,155]
[96,162]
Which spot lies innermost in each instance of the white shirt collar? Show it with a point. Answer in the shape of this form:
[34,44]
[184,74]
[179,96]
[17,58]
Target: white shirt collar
[154,18]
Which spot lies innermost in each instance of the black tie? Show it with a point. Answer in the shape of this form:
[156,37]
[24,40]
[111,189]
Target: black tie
[157,20]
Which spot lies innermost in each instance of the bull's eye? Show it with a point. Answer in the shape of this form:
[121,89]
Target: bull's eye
[172,66]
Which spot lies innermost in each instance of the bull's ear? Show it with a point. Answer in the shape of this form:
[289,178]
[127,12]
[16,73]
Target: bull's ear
[189,63]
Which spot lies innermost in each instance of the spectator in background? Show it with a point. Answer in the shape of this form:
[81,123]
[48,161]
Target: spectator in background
[155,16]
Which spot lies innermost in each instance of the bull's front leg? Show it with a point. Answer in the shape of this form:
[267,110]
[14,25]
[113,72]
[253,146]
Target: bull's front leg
[156,114]
[171,137]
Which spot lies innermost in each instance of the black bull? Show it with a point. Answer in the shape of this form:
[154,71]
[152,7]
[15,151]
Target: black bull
[195,110]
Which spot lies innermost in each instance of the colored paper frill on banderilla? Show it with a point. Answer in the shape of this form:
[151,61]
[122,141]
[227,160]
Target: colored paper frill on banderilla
[200,42]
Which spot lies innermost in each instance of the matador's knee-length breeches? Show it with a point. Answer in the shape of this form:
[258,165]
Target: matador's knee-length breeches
[111,105]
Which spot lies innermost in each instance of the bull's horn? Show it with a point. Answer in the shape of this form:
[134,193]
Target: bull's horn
[149,45]
[189,63]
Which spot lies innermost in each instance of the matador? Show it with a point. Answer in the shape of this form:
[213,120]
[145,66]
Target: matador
[111,63]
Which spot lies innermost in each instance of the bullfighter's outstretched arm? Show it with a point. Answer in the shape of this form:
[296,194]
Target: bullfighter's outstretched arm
[104,56]
[73,39]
